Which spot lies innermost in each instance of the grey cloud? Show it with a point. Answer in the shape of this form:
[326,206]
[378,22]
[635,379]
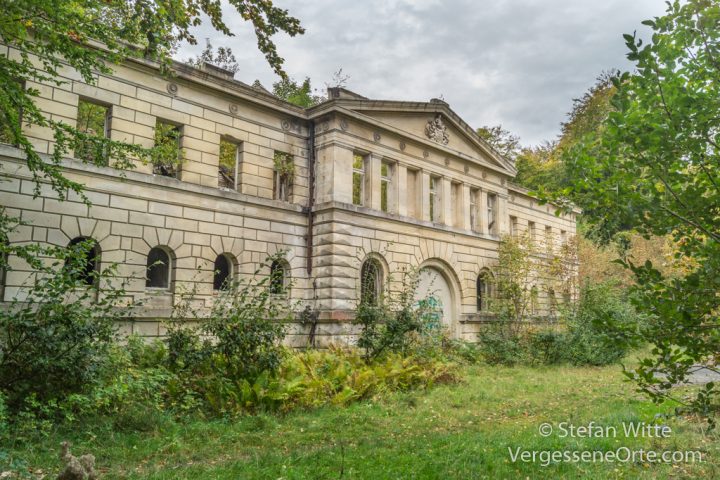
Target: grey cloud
[515,62]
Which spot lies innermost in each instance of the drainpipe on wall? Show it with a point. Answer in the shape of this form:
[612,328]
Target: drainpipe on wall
[312,314]
[311,196]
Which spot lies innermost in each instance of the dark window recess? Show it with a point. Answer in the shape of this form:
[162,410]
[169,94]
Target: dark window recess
[371,285]
[277,278]
[158,269]
[167,154]
[222,273]
[93,120]
[84,261]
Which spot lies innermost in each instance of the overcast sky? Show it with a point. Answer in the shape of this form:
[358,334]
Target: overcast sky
[518,63]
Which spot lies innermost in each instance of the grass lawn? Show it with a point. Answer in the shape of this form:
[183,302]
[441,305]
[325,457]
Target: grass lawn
[460,431]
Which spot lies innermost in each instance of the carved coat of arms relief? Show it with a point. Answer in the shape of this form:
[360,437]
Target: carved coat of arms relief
[436,130]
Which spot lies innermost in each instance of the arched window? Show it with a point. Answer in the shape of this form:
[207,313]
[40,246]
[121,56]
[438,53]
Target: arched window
[278,277]
[84,265]
[370,282]
[159,268]
[483,289]
[222,273]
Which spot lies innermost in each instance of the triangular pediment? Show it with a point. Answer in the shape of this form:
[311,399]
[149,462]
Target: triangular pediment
[436,125]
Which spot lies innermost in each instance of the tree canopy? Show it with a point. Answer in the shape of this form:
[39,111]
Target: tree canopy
[654,167]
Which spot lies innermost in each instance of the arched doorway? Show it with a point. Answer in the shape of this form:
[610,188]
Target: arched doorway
[434,286]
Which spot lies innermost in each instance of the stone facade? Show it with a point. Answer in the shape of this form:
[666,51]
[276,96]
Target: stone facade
[429,189]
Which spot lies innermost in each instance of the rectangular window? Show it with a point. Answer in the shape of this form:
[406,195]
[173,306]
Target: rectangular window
[474,195]
[549,237]
[283,177]
[93,120]
[167,155]
[434,198]
[456,199]
[385,177]
[358,179]
[531,232]
[14,90]
[228,164]
[513,227]
[412,193]
[491,211]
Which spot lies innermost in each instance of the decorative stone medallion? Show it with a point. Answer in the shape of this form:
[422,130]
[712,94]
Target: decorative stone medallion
[426,154]
[234,109]
[402,145]
[447,162]
[436,130]
[467,169]
[343,124]
[172,88]
[285,125]
[376,136]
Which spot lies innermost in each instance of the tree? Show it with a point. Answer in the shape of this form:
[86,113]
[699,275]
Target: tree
[298,94]
[88,36]
[654,166]
[539,168]
[45,31]
[504,142]
[223,58]
[589,112]
[91,35]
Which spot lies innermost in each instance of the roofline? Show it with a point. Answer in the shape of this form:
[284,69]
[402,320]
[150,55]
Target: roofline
[436,106]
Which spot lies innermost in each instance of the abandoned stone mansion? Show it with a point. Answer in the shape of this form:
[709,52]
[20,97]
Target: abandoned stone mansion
[352,187]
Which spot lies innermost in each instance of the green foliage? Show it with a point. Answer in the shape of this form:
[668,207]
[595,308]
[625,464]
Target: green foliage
[504,142]
[539,168]
[298,94]
[91,120]
[653,167]
[54,340]
[599,328]
[596,331]
[223,58]
[395,321]
[547,347]
[46,32]
[500,347]
[167,156]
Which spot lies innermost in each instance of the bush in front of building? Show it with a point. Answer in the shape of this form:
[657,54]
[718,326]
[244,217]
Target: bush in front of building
[591,333]
[55,337]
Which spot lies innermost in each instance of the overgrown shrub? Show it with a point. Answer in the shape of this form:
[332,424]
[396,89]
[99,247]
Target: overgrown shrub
[55,340]
[546,346]
[396,322]
[499,346]
[241,337]
[594,333]
[596,326]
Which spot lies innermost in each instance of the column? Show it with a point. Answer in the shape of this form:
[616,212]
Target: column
[465,206]
[372,180]
[400,188]
[502,215]
[424,189]
[482,212]
[446,213]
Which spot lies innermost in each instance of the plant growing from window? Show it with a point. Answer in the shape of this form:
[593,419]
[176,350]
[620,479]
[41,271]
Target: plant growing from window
[92,120]
[284,167]
[227,168]
[167,156]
